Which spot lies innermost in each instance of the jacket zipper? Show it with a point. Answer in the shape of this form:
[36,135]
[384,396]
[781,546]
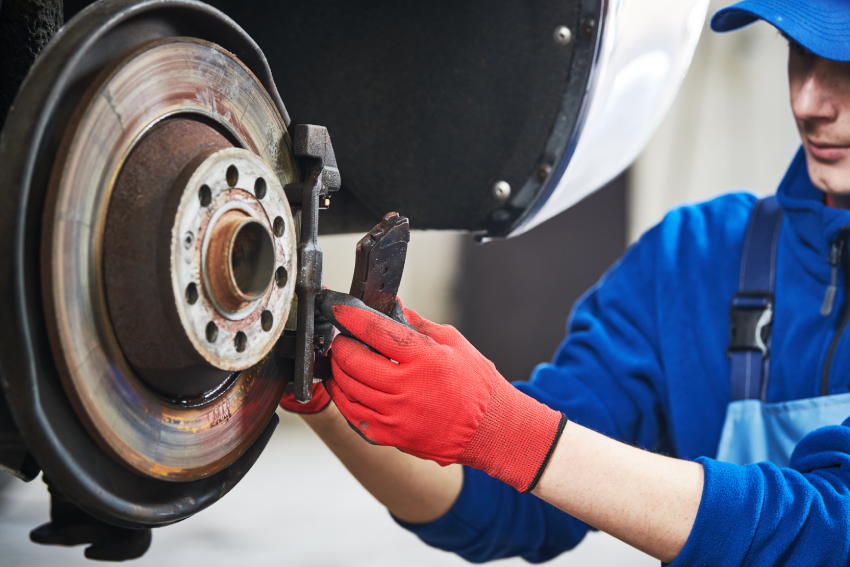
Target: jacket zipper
[834,261]
[837,255]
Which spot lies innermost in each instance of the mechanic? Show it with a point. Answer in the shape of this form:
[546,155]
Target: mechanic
[487,470]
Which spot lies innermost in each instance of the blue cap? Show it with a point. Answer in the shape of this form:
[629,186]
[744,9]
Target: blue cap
[821,26]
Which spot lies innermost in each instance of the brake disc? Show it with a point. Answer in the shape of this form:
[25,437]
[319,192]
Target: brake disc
[147,246]
[154,196]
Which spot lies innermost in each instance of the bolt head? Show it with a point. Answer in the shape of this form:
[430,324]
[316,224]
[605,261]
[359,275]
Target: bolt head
[502,190]
[562,35]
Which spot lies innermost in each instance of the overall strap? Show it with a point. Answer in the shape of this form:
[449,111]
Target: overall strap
[751,311]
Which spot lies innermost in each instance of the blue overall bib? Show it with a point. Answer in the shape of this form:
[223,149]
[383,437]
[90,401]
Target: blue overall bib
[754,430]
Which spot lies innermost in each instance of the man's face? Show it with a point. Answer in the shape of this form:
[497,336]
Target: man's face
[820,100]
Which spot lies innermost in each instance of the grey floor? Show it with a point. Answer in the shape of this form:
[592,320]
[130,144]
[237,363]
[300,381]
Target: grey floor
[264,521]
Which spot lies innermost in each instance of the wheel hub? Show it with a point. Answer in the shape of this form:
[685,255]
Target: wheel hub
[235,252]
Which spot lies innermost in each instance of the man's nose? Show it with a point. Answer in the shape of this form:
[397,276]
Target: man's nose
[815,99]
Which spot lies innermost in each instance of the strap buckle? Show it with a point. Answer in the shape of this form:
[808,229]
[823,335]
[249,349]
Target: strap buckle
[750,316]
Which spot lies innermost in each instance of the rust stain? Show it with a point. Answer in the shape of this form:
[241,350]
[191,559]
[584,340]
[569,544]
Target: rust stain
[220,414]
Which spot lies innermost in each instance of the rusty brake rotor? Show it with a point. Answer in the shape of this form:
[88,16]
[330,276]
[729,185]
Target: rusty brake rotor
[168,240]
[118,238]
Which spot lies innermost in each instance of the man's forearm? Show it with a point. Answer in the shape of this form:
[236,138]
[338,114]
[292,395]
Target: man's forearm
[414,490]
[644,499]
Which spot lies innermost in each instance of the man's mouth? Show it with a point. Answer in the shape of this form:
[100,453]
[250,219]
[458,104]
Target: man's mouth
[827,152]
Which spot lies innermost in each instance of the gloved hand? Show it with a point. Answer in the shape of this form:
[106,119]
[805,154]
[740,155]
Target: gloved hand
[440,400]
[320,401]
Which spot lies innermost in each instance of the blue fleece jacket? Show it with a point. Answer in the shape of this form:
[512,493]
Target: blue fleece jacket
[645,362]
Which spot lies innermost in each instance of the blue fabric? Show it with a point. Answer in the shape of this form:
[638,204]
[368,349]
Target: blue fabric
[764,515]
[487,507]
[821,26]
[754,432]
[645,362]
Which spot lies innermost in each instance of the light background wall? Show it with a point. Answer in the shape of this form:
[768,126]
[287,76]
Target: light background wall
[730,126]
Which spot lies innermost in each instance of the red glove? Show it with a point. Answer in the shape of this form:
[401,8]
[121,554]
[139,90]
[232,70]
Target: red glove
[442,401]
[320,401]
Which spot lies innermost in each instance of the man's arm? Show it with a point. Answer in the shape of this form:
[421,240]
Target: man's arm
[646,500]
[642,498]
[432,395]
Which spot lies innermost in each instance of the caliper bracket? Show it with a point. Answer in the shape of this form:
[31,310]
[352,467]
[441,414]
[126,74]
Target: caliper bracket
[312,147]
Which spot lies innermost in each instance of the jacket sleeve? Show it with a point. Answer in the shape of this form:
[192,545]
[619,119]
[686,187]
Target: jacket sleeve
[490,520]
[760,515]
[605,376]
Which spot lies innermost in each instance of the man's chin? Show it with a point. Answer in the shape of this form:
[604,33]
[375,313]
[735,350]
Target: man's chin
[831,178]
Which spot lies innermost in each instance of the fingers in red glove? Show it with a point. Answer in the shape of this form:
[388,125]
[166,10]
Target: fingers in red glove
[359,417]
[365,394]
[388,337]
[319,401]
[357,400]
[356,360]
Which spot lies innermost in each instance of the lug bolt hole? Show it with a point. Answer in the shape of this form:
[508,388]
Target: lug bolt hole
[192,294]
[212,332]
[232,176]
[280,277]
[260,188]
[205,196]
[240,341]
[278,226]
[267,320]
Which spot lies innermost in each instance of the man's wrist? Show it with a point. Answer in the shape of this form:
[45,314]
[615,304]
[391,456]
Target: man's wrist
[515,439]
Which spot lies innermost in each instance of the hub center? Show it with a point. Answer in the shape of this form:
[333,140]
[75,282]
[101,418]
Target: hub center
[240,260]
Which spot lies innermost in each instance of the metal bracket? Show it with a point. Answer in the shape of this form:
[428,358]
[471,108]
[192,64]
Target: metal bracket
[315,152]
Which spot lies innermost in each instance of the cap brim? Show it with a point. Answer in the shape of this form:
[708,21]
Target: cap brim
[821,26]
[731,19]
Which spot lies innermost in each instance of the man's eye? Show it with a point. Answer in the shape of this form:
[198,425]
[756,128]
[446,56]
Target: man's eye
[799,49]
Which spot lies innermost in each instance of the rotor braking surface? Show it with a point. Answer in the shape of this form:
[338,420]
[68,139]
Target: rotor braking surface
[168,250]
